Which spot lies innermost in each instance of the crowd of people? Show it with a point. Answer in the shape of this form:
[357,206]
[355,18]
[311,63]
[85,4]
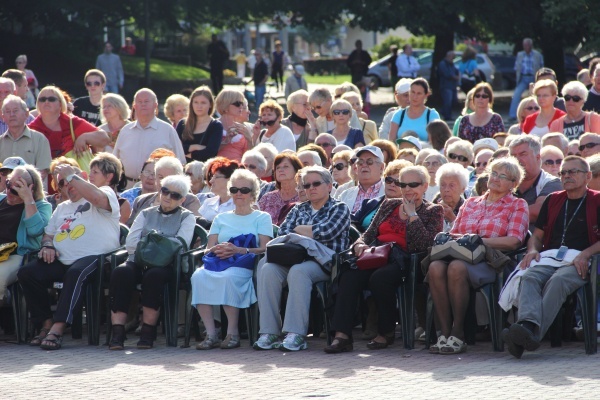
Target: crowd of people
[73,170]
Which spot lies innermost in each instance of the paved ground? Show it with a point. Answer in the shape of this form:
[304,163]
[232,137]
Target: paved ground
[80,371]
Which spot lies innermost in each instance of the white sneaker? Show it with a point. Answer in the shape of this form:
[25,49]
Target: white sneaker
[267,341]
[293,342]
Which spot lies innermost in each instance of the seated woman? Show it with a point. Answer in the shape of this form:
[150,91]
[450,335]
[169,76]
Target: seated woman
[433,162]
[69,253]
[114,114]
[58,193]
[23,214]
[527,106]
[268,128]
[411,223]
[237,134]
[301,120]
[220,171]
[341,168]
[286,167]
[170,219]
[233,287]
[538,123]
[323,219]
[461,152]
[502,221]
[100,168]
[176,108]
[148,183]
[341,112]
[452,180]
[195,170]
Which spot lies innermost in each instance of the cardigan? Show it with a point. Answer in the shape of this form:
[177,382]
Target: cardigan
[31,230]
[590,124]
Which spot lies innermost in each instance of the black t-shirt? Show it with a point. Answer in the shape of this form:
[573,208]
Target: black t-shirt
[592,103]
[575,129]
[260,72]
[84,108]
[393,67]
[577,231]
[10,218]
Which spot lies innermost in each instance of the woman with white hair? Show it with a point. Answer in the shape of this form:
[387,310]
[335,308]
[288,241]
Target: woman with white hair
[114,114]
[176,108]
[576,122]
[309,158]
[195,170]
[452,181]
[433,162]
[301,119]
[461,152]
[368,127]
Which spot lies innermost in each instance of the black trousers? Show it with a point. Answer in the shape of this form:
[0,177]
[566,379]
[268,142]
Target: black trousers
[382,282]
[277,74]
[216,76]
[124,279]
[37,277]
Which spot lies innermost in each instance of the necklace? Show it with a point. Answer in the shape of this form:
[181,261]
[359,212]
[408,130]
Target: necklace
[577,118]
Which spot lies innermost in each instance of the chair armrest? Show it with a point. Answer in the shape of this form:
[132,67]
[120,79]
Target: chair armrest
[118,257]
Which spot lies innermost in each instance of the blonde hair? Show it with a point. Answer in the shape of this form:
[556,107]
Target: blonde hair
[58,93]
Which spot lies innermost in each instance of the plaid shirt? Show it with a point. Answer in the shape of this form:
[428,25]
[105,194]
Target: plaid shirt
[370,193]
[509,216]
[330,225]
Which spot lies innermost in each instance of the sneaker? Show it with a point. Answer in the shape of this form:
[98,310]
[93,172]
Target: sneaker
[267,341]
[293,342]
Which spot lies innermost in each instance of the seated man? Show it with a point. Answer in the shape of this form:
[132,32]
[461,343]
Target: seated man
[80,229]
[369,170]
[566,221]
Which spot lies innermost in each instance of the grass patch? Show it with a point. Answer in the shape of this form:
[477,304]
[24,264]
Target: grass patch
[162,70]
[327,79]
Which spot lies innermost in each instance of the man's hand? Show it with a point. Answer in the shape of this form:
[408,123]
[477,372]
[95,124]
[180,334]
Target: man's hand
[581,263]
[529,257]
[64,170]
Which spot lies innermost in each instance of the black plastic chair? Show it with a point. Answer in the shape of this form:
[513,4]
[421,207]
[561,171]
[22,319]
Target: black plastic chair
[406,300]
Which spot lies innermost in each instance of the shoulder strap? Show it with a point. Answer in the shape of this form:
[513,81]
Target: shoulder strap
[262,133]
[401,117]
[72,133]
[428,114]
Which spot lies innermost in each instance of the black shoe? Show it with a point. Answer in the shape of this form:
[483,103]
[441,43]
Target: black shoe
[523,337]
[117,340]
[341,346]
[147,337]
[373,345]
[514,349]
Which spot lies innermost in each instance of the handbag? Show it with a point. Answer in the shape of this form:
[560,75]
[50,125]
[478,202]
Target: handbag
[286,254]
[7,249]
[156,250]
[85,158]
[213,263]
[468,248]
[374,257]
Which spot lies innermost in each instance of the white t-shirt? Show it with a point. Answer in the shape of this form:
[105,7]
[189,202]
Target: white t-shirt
[228,225]
[82,230]
[282,139]
[539,132]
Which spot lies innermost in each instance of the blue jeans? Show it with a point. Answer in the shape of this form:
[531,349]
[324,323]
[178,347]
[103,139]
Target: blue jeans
[112,88]
[259,93]
[522,86]
[449,98]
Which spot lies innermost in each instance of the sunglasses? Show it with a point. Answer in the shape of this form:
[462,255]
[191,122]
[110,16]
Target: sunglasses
[576,99]
[481,96]
[343,112]
[242,190]
[95,83]
[174,195]
[250,166]
[10,189]
[339,166]
[325,145]
[237,103]
[61,183]
[50,99]
[532,108]
[268,123]
[412,185]
[574,171]
[552,162]
[458,157]
[389,180]
[588,146]
[316,184]
[481,164]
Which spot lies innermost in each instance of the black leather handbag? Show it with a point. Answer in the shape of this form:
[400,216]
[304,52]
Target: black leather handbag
[286,254]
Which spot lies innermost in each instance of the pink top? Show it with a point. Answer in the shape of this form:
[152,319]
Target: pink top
[272,203]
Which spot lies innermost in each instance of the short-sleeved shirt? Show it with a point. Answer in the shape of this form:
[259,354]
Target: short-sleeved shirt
[228,225]
[575,129]
[468,131]
[212,207]
[61,141]
[418,125]
[282,139]
[83,108]
[31,146]
[577,232]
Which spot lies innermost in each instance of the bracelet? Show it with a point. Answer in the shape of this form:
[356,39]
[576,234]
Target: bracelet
[49,247]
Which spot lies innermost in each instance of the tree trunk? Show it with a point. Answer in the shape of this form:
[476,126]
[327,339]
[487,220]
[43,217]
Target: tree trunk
[444,42]
[551,44]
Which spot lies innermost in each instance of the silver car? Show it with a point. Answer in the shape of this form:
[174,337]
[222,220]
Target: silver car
[380,72]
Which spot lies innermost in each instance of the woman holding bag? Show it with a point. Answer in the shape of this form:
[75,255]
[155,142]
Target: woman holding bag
[410,223]
[232,288]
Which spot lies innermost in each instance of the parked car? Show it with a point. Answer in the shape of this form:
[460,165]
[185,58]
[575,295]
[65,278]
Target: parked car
[484,65]
[379,70]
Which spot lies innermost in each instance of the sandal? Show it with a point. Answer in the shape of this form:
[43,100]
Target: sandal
[231,342]
[208,343]
[37,341]
[52,344]
[441,342]
[453,346]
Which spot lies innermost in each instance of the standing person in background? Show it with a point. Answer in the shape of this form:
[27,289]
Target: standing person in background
[128,49]
[278,63]
[449,78]
[110,65]
[217,54]
[358,61]
[260,76]
[468,70]
[392,65]
[240,61]
[527,63]
[401,96]
[88,107]
[251,62]
[407,64]
[295,81]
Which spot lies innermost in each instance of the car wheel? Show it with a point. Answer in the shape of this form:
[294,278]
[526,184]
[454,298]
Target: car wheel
[375,82]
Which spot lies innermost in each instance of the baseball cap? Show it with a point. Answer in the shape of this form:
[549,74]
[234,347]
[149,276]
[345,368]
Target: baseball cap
[485,143]
[412,140]
[299,69]
[12,163]
[403,85]
[376,151]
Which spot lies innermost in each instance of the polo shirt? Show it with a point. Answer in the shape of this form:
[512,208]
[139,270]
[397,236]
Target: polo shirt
[32,146]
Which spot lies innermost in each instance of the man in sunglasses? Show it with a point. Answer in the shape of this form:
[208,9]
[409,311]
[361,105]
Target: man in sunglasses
[537,183]
[369,166]
[328,142]
[558,256]
[110,65]
[88,107]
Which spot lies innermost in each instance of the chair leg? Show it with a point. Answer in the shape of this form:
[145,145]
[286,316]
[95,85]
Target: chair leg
[489,292]
[429,321]
[321,288]
[189,317]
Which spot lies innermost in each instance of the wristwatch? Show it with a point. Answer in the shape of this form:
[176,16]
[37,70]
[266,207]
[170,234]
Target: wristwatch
[247,251]
[70,178]
[413,215]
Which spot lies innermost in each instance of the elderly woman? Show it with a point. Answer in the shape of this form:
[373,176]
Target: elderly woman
[301,119]
[538,123]
[103,173]
[416,116]
[552,159]
[452,181]
[268,128]
[320,100]
[233,287]
[200,133]
[256,163]
[59,128]
[438,133]
[69,253]
[461,152]
[237,135]
[573,149]
[501,220]
[195,170]
[341,167]
[114,114]
[576,121]
[411,224]
[483,122]
[308,158]
[341,111]
[368,127]
[176,108]
[408,155]
[24,213]
[221,170]
[527,106]
[169,219]
[269,152]
[148,183]
[322,219]
[433,162]
[286,167]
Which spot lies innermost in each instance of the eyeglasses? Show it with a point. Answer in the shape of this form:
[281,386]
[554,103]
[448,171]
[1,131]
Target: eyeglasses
[482,96]
[8,186]
[427,164]
[325,144]
[94,83]
[576,99]
[573,171]
[360,162]
[588,146]
[268,123]
[149,174]
[458,157]
[174,195]
[242,190]
[532,108]
[495,175]
[403,185]
[481,164]
[50,99]
[62,183]
[316,184]
[237,103]
[338,112]
[317,107]
[340,166]
[552,162]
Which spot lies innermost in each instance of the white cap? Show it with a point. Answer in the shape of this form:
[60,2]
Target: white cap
[376,151]
[12,163]
[485,143]
[412,140]
[403,85]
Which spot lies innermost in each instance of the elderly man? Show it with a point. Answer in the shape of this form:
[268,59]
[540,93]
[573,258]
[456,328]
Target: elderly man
[328,142]
[88,107]
[537,183]
[558,256]
[401,95]
[593,101]
[369,169]
[110,65]
[19,140]
[589,144]
[556,139]
[309,158]
[320,100]
[140,138]
[449,77]
[527,63]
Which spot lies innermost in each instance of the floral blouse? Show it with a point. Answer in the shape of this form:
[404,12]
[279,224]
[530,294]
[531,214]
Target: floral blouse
[272,203]
[472,133]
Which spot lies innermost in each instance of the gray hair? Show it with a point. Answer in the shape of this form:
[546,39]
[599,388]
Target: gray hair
[241,173]
[118,102]
[268,151]
[531,140]
[196,168]
[169,162]
[12,98]
[423,154]
[315,169]
[314,155]
[577,87]
[181,183]
[322,94]
[464,146]
[7,81]
[514,170]
[329,136]
[417,169]
[594,162]
[453,170]
[31,176]
[294,96]
[564,142]
[257,157]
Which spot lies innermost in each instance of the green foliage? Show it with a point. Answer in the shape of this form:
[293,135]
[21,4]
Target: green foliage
[383,48]
[162,70]
[327,79]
